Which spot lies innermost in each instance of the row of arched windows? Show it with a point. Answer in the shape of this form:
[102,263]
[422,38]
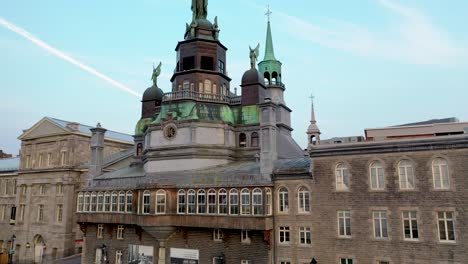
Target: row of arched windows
[204,87]
[253,140]
[406,175]
[106,202]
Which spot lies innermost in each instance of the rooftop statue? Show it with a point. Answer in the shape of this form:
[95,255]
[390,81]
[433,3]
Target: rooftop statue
[254,53]
[156,73]
[200,9]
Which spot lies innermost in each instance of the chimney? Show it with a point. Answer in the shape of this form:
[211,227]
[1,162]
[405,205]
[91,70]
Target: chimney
[268,148]
[97,150]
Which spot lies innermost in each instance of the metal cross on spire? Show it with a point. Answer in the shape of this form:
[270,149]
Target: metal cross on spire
[268,13]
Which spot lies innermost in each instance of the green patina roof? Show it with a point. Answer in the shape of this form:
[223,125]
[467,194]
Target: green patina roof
[269,51]
[141,126]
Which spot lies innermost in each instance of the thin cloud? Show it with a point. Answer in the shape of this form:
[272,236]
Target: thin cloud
[22,32]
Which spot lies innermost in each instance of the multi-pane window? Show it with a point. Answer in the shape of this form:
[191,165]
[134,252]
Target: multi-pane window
[217,235]
[121,201]
[342,177]
[220,66]
[146,202]
[233,202]
[59,213]
[40,213]
[246,261]
[100,231]
[129,202]
[268,201]
[42,189]
[80,202]
[283,201]
[118,257]
[191,202]
[22,211]
[181,202]
[406,175]
[87,202]
[160,202]
[245,238]
[346,261]
[380,224]
[120,231]
[107,202]
[41,161]
[377,178]
[59,188]
[211,201]
[93,202]
[28,162]
[114,202]
[344,223]
[100,202]
[63,160]
[201,201]
[304,235]
[245,202]
[257,202]
[410,225]
[24,189]
[446,226]
[284,236]
[440,174]
[303,197]
[222,202]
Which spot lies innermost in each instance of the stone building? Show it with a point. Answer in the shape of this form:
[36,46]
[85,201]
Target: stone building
[37,194]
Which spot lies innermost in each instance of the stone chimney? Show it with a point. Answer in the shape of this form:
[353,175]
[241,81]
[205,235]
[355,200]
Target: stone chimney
[268,130]
[97,151]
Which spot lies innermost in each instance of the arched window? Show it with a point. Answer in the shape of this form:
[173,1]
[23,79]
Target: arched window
[254,139]
[121,201]
[313,140]
[283,201]
[79,207]
[242,140]
[212,201]
[268,201]
[129,202]
[341,177]
[191,202]
[201,202]
[181,202]
[87,201]
[304,202]
[186,85]
[107,201]
[406,175]
[245,202]
[440,174]
[274,78]
[257,201]
[146,202]
[207,87]
[100,202]
[160,202]
[200,87]
[266,76]
[139,149]
[222,201]
[233,202]
[377,177]
[114,202]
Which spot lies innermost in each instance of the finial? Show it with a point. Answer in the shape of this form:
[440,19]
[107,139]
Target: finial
[268,13]
[98,125]
[156,73]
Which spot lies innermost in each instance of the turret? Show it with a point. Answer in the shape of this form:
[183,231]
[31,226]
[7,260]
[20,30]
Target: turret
[97,151]
[313,132]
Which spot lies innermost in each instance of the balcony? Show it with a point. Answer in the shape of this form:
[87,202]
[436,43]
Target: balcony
[201,97]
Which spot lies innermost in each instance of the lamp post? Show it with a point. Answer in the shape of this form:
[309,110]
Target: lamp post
[10,255]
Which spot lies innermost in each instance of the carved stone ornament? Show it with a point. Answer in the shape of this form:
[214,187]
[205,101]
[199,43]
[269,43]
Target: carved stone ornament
[170,131]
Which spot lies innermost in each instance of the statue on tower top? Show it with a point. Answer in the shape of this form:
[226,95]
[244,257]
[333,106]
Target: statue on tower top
[156,73]
[254,55]
[200,9]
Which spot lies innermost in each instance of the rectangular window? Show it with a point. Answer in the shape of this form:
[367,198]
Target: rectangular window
[59,188]
[63,158]
[304,236]
[446,226]
[220,66]
[218,235]
[40,213]
[14,186]
[42,189]
[100,231]
[207,63]
[3,212]
[245,236]
[380,224]
[344,223]
[12,214]
[246,261]
[49,159]
[346,261]
[233,203]
[201,202]
[22,211]
[28,162]
[114,202]
[211,202]
[59,213]
[146,203]
[284,237]
[410,225]
[107,202]
[161,202]
[188,63]
[40,162]
[118,257]
[181,202]
[24,189]
[120,232]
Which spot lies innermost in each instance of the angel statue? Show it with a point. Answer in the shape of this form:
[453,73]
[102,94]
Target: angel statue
[156,73]
[254,53]
[200,9]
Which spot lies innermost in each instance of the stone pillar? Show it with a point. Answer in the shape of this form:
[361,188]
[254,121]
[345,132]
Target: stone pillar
[97,150]
[268,130]
[162,252]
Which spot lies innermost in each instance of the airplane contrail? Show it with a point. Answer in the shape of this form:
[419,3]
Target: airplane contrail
[58,53]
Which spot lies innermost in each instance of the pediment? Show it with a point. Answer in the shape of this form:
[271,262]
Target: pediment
[43,128]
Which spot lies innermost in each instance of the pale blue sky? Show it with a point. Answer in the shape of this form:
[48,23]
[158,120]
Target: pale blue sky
[370,63]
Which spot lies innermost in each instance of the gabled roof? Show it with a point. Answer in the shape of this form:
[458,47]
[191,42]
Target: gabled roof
[9,164]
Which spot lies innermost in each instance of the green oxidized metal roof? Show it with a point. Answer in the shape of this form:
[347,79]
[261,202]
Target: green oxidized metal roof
[269,51]
[141,125]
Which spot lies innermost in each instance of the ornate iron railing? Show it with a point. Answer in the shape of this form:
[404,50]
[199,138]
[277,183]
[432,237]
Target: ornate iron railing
[204,97]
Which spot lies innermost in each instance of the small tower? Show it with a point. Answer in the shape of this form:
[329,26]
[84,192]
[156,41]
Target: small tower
[313,132]
[97,151]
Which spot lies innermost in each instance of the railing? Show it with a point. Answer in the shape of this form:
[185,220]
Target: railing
[205,97]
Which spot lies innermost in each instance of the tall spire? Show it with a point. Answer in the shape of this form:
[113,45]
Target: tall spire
[269,51]
[313,132]
[312,112]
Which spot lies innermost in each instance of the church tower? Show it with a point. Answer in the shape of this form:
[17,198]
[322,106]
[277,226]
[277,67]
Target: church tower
[313,132]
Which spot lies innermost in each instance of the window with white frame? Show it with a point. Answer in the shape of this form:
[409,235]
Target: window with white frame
[79,204]
[107,202]
[100,231]
[160,202]
[246,261]
[59,188]
[233,202]
[59,213]
[191,202]
[181,202]
[245,238]
[3,213]
[100,201]
[222,202]
[440,174]
[283,201]
[285,262]
[211,201]
[410,225]
[304,235]
[342,177]
[87,202]
[377,177]
[245,202]
[14,186]
[49,159]
[24,189]
[446,226]
[129,202]
[98,257]
[146,202]
[380,224]
[344,223]
[284,235]
[121,201]
[120,232]
[406,175]
[40,213]
[118,257]
[218,235]
[42,189]
[201,202]
[93,202]
[303,199]
[346,261]
[257,201]
[114,202]
[268,201]
[22,212]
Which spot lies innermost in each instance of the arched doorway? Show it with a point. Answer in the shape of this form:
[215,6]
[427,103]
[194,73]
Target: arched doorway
[39,247]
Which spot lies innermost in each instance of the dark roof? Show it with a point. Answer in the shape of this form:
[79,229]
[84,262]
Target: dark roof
[9,164]
[153,93]
[252,76]
[432,121]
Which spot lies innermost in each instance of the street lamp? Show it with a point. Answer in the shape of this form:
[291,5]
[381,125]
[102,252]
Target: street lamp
[10,255]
